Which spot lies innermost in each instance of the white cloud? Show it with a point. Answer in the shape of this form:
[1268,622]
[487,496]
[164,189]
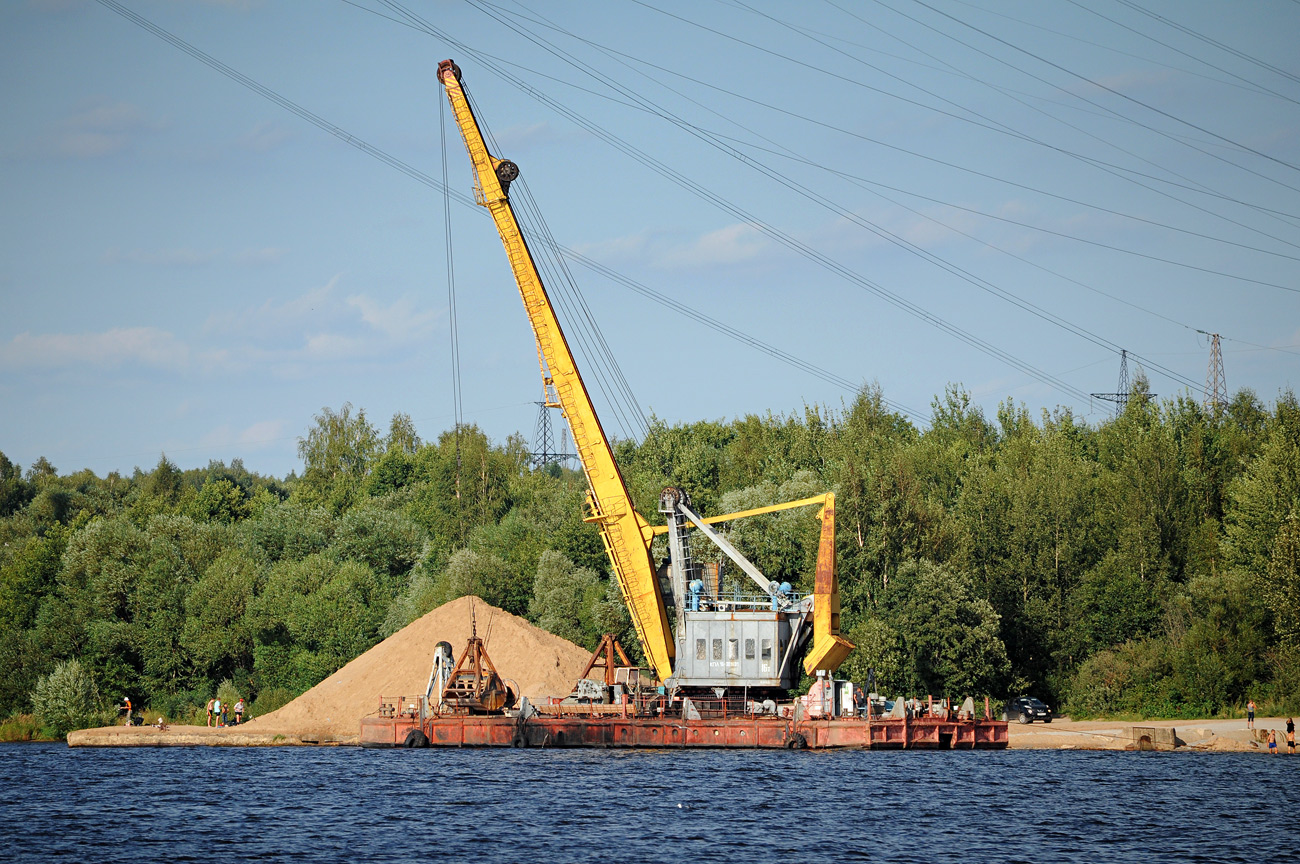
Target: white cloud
[516,139]
[400,320]
[733,244]
[335,346]
[100,129]
[191,258]
[272,321]
[264,136]
[262,433]
[182,257]
[145,346]
[260,257]
[256,436]
[320,325]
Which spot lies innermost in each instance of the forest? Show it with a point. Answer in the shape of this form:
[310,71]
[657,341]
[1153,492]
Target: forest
[1143,565]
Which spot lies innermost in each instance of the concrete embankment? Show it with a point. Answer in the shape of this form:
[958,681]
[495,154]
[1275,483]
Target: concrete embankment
[190,736]
[1183,735]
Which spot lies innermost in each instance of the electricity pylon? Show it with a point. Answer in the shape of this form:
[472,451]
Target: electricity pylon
[1216,386]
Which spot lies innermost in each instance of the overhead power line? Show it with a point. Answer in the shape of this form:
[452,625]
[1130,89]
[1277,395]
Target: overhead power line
[467,201]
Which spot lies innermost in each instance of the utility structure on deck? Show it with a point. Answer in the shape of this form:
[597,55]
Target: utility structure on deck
[738,640]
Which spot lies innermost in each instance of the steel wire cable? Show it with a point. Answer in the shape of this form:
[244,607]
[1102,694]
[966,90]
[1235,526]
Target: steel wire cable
[1083,78]
[563,276]
[1109,111]
[1120,172]
[776,234]
[960,272]
[1020,302]
[1107,167]
[1240,83]
[451,292]
[600,361]
[460,197]
[853,58]
[1209,41]
[1101,341]
[855,82]
[1176,49]
[564,291]
[595,351]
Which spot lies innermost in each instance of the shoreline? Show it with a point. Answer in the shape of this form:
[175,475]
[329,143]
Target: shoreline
[1207,736]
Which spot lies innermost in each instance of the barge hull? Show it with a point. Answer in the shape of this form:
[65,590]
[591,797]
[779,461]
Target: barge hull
[644,732]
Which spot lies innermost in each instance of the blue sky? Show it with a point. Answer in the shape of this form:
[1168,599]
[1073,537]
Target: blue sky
[189,268]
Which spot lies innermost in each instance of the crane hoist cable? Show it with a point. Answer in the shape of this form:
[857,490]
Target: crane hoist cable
[457,409]
[585,330]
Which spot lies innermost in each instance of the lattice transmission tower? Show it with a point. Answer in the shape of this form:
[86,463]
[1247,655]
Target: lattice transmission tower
[1125,389]
[544,440]
[1216,386]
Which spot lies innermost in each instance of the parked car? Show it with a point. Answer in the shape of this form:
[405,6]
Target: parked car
[1027,709]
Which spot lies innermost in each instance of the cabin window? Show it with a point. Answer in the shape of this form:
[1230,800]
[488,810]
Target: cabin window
[699,650]
[749,649]
[767,653]
[717,649]
[733,649]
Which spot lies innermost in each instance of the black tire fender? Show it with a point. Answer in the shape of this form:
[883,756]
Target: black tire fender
[416,738]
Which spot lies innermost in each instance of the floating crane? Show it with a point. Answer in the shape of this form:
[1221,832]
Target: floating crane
[720,640]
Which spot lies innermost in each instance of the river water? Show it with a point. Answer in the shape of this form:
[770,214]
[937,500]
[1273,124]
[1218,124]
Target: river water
[346,804]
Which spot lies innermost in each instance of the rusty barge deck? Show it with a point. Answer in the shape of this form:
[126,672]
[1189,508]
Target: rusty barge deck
[616,731]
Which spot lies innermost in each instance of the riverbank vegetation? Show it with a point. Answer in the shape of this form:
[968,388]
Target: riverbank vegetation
[1145,565]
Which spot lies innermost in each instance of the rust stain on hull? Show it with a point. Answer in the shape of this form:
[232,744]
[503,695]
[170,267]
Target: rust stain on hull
[644,732]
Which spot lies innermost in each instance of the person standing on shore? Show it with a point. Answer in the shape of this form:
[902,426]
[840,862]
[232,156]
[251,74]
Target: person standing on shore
[1250,714]
[1272,742]
[216,712]
[239,711]
[1290,736]
[210,701]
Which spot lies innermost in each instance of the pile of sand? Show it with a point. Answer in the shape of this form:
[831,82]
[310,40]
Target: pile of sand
[539,663]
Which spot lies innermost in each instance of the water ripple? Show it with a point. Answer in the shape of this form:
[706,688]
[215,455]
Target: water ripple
[333,804]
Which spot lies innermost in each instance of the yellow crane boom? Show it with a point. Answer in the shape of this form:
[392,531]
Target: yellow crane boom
[625,533]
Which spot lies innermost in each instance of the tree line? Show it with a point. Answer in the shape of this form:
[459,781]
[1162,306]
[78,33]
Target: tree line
[1143,565]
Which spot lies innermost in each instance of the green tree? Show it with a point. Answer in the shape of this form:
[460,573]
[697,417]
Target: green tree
[337,454]
[387,542]
[564,597]
[1266,494]
[14,493]
[401,435]
[949,635]
[878,657]
[218,632]
[219,501]
[313,616]
[460,483]
[67,699]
